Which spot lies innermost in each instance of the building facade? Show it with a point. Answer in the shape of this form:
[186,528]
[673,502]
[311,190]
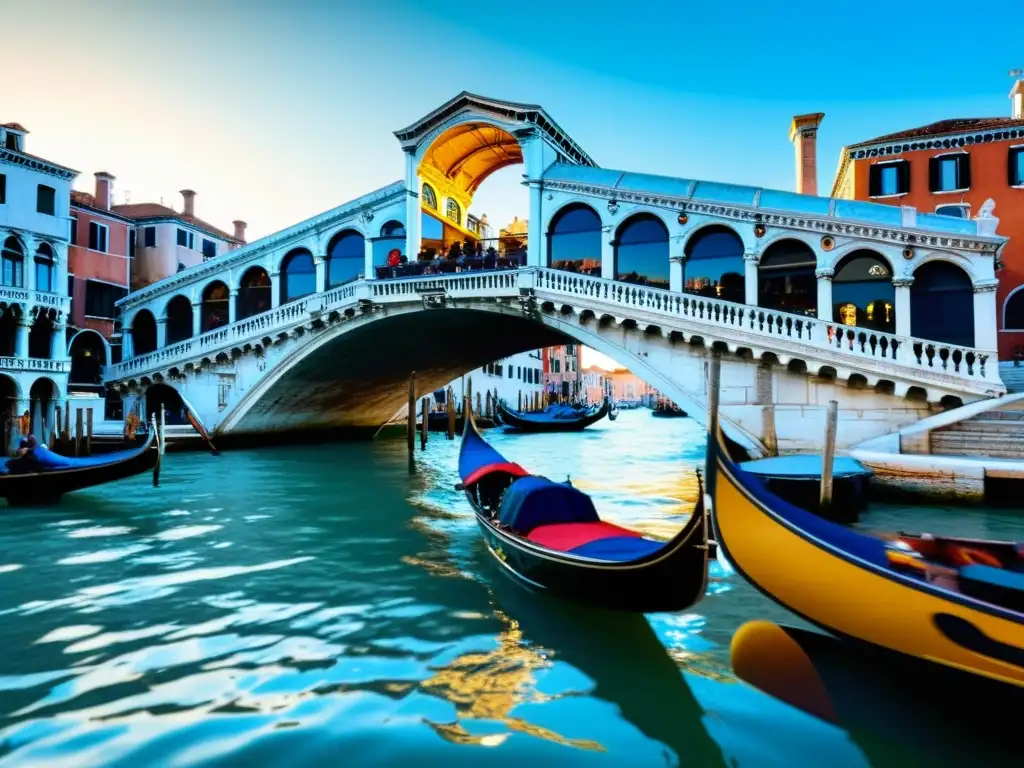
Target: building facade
[513,380]
[34,231]
[964,169]
[562,374]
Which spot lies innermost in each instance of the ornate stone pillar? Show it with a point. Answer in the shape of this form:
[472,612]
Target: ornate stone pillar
[986,325]
[750,277]
[275,290]
[233,306]
[368,266]
[412,206]
[161,332]
[676,265]
[825,276]
[127,346]
[58,343]
[197,323]
[902,308]
[607,252]
[28,265]
[321,273]
[536,255]
[21,338]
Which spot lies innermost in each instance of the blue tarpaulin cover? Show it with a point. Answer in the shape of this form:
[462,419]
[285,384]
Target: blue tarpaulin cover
[46,460]
[618,548]
[533,501]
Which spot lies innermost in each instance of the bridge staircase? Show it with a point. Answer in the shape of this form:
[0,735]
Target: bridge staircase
[997,434]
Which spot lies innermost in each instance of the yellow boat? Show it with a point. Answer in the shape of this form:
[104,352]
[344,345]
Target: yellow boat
[963,609]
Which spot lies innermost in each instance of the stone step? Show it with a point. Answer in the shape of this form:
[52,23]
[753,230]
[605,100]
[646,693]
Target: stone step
[994,426]
[991,446]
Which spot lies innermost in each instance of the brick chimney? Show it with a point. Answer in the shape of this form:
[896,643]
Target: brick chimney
[1017,100]
[239,229]
[189,198]
[803,132]
[104,190]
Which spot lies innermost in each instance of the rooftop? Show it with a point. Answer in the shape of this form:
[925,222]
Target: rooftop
[151,211]
[944,127]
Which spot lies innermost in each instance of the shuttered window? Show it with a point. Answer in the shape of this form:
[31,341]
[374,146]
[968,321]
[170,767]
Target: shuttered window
[949,173]
[885,179]
[1015,170]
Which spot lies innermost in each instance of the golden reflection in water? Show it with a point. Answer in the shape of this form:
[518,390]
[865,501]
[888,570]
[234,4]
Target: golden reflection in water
[489,685]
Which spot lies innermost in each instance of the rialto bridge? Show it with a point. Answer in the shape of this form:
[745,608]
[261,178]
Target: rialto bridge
[808,299]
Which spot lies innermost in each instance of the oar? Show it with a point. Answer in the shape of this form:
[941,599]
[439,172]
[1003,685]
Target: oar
[159,453]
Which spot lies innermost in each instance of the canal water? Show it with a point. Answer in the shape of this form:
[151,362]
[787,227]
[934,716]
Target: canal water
[319,606]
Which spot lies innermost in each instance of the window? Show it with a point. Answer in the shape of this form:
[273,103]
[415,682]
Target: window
[1016,170]
[149,237]
[429,198]
[71,295]
[949,173]
[960,210]
[11,141]
[209,249]
[100,298]
[12,263]
[453,211]
[44,268]
[885,179]
[73,230]
[97,237]
[3,189]
[186,239]
[45,197]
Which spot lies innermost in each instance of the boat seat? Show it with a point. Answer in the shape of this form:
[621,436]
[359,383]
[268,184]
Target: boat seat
[567,536]
[993,585]
[534,501]
[619,548]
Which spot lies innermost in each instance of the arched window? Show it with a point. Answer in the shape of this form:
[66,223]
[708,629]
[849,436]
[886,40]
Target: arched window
[574,240]
[641,251]
[346,257]
[392,236]
[143,332]
[862,292]
[253,293]
[453,211]
[1013,311]
[40,337]
[13,263]
[298,275]
[786,279]
[429,197]
[942,304]
[714,265]
[88,356]
[44,268]
[179,319]
[216,306]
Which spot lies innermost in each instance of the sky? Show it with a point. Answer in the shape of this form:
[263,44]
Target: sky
[274,111]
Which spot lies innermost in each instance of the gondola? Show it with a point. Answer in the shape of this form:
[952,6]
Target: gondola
[668,412]
[554,418]
[45,476]
[956,602]
[550,536]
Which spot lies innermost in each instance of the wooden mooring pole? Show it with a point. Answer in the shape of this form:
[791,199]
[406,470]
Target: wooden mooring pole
[88,432]
[520,406]
[410,427]
[425,422]
[828,454]
[487,412]
[479,406]
[451,413]
[714,374]
[78,432]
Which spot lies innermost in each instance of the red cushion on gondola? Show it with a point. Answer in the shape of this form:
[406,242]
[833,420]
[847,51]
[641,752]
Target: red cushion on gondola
[506,466]
[566,536]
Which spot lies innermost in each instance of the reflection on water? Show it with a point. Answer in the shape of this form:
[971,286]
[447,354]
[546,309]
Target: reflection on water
[320,602]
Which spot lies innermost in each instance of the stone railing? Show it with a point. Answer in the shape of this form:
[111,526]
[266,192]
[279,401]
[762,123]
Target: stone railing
[466,284]
[842,345]
[33,365]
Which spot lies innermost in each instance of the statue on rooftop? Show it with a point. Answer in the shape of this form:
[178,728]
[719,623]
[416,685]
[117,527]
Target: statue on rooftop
[987,223]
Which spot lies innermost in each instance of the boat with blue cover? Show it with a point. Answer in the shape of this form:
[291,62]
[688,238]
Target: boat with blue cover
[953,601]
[550,536]
[797,479]
[554,418]
[42,476]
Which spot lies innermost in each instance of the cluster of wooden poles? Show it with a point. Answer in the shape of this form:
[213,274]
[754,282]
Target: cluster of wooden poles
[76,443]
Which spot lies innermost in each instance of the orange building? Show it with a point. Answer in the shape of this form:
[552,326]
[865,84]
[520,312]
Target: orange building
[952,168]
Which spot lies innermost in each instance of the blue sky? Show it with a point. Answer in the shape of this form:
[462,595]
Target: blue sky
[274,111]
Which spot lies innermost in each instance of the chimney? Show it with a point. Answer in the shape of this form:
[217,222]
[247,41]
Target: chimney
[104,190]
[190,202]
[239,230]
[1017,100]
[803,132]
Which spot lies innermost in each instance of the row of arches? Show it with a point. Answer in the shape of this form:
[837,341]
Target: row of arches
[12,265]
[863,294]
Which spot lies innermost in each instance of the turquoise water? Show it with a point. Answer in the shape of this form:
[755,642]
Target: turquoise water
[319,606]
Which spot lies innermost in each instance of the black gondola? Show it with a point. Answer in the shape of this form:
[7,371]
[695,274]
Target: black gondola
[550,536]
[554,418]
[44,476]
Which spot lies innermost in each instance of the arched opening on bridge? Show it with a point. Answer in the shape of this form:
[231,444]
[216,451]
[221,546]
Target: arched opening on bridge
[1013,311]
[8,414]
[392,238]
[216,309]
[346,257]
[254,295]
[714,264]
[574,240]
[9,319]
[942,304]
[786,278]
[862,292]
[12,261]
[88,355]
[44,264]
[143,332]
[179,319]
[167,397]
[298,275]
[641,251]
[42,404]
[40,336]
